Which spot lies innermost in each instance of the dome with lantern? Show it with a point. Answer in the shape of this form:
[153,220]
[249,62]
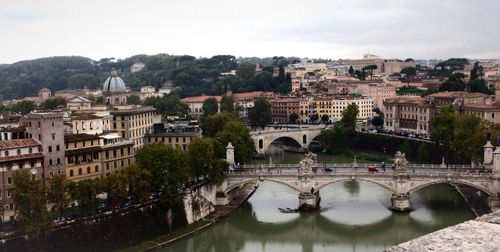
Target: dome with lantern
[114,84]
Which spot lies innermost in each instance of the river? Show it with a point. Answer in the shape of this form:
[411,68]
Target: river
[354,216]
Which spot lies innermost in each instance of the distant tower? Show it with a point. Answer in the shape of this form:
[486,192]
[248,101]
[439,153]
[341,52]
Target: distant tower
[230,154]
[45,93]
[114,90]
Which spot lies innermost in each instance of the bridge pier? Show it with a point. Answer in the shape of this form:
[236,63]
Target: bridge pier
[494,202]
[309,201]
[401,202]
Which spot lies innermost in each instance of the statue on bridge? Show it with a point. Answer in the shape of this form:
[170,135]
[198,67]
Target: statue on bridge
[400,161]
[307,163]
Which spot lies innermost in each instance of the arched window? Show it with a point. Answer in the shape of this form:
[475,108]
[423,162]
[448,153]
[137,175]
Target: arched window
[261,144]
[71,173]
[96,168]
[6,153]
[79,171]
[88,170]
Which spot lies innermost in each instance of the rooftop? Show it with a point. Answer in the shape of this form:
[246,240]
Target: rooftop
[70,138]
[18,143]
[86,117]
[458,94]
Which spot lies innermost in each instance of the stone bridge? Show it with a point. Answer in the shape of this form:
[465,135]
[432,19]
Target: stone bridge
[302,135]
[401,181]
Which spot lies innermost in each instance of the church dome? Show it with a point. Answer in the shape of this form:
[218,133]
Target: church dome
[114,83]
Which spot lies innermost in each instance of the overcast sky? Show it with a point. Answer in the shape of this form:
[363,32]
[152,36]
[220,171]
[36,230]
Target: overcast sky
[422,29]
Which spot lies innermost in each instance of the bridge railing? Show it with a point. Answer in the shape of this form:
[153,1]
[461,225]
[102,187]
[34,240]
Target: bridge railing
[366,165]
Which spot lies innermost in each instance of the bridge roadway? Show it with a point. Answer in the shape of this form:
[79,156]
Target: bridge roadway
[302,135]
[400,182]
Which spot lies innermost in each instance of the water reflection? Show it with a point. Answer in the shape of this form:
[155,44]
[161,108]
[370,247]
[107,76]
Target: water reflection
[354,217]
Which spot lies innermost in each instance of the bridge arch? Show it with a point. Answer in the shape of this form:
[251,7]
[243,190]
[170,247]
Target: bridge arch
[379,183]
[452,182]
[265,143]
[303,137]
[242,182]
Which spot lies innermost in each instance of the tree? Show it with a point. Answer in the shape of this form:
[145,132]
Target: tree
[168,167]
[349,118]
[325,118]
[409,71]
[84,192]
[115,185]
[210,107]
[333,139]
[313,118]
[423,153]
[239,135]
[351,71]
[443,126]
[139,182]
[29,197]
[293,117]
[133,99]
[57,194]
[479,85]
[227,104]
[168,105]
[473,72]
[215,123]
[260,115]
[203,161]
[370,69]
[246,70]
[406,148]
[264,81]
[454,83]
[377,121]
[23,107]
[53,103]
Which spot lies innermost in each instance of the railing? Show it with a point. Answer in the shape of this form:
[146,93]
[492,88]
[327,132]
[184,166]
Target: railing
[366,165]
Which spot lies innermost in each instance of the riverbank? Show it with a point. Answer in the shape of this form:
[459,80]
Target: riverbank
[219,213]
[481,234]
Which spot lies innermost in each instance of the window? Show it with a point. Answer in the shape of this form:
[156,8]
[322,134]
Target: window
[79,171]
[18,151]
[9,194]
[59,172]
[96,168]
[58,161]
[38,124]
[51,174]
[9,181]
[50,161]
[30,150]
[52,124]
[50,148]
[88,170]
[58,148]
[71,173]
[53,136]
[39,137]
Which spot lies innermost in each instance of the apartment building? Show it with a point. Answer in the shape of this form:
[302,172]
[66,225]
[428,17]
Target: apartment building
[17,155]
[133,122]
[178,135]
[83,156]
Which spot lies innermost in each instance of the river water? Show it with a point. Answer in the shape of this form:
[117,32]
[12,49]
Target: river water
[354,216]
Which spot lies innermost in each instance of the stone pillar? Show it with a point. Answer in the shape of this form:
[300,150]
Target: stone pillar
[496,164]
[488,153]
[309,201]
[230,154]
[401,202]
[494,202]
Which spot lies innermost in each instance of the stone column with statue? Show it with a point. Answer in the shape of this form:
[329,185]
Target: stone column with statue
[401,198]
[309,196]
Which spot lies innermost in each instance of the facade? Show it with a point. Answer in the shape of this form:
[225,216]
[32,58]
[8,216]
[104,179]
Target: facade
[82,156]
[282,108]
[368,59]
[48,129]
[87,124]
[414,114]
[17,155]
[334,106]
[79,103]
[195,103]
[177,136]
[395,66]
[133,122]
[136,67]
[116,153]
[377,91]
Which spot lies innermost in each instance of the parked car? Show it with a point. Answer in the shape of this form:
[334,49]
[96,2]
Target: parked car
[372,168]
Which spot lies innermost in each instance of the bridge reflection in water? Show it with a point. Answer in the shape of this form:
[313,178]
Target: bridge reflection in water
[355,217]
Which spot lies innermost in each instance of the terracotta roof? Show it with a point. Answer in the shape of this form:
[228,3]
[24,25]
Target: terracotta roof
[69,138]
[18,143]
[406,100]
[199,99]
[22,156]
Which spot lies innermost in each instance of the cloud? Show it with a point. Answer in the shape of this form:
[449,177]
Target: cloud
[322,28]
